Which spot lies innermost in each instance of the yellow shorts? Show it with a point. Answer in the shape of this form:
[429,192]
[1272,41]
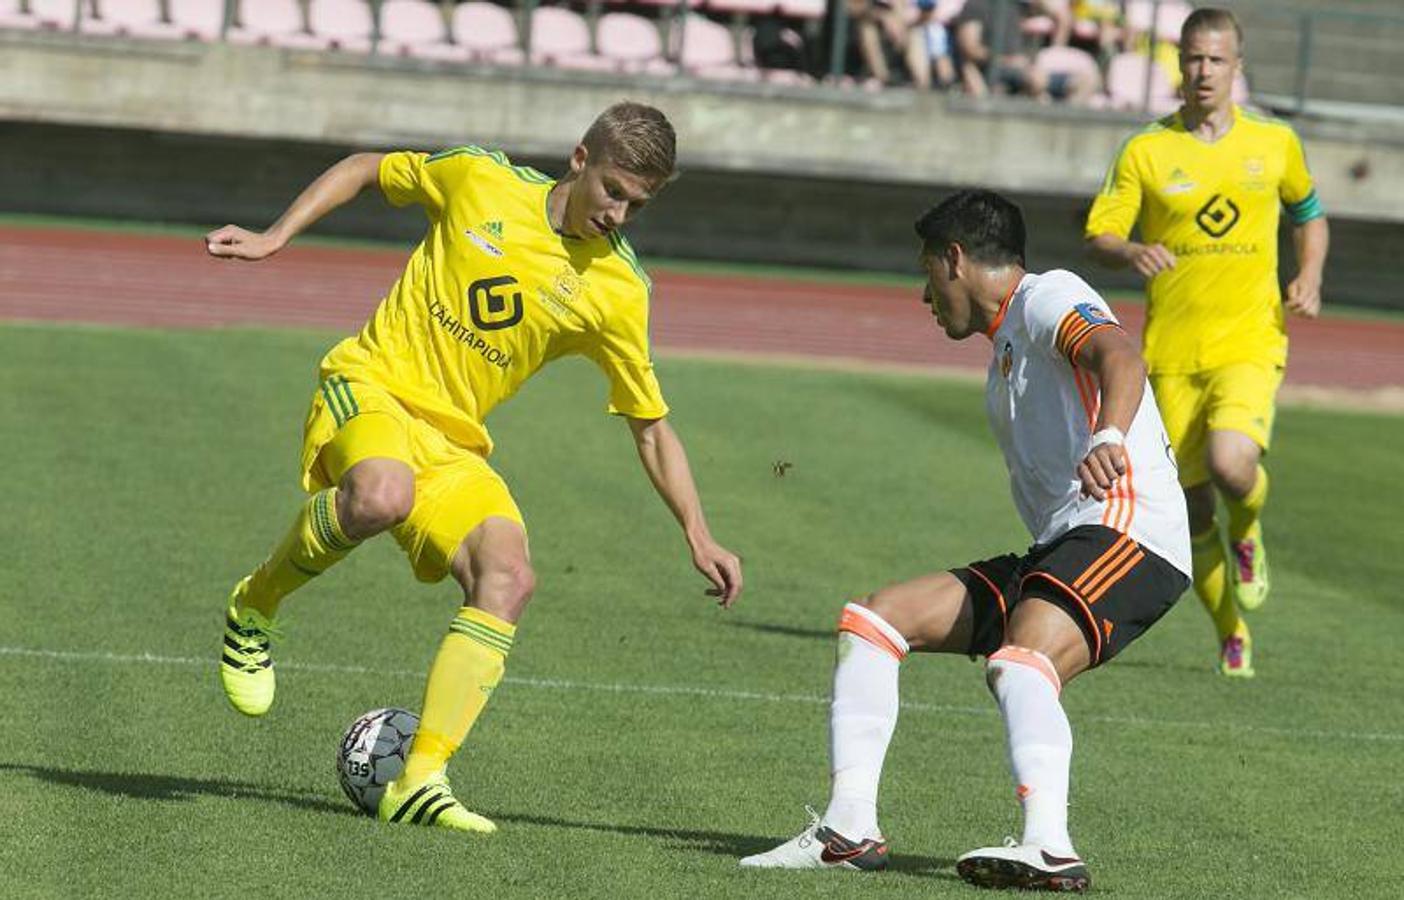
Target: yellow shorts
[454,488]
[1239,397]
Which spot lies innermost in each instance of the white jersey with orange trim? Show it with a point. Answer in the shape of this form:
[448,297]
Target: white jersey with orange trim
[1043,407]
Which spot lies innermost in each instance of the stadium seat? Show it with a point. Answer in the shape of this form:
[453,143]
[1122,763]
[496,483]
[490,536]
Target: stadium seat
[561,37]
[1068,61]
[50,15]
[200,20]
[1169,18]
[417,28]
[1126,82]
[273,22]
[489,32]
[691,4]
[632,43]
[803,9]
[707,50]
[745,7]
[129,18]
[343,24]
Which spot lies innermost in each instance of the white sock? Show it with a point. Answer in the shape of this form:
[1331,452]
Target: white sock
[861,719]
[1025,684]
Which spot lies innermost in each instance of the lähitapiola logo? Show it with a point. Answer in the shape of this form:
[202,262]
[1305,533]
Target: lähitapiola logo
[489,308]
[1217,217]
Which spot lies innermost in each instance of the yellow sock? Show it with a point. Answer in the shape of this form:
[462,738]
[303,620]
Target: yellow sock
[314,544]
[469,665]
[1210,573]
[1243,513]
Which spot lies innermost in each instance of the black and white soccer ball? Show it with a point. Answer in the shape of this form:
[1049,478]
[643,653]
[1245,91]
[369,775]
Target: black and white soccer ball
[372,754]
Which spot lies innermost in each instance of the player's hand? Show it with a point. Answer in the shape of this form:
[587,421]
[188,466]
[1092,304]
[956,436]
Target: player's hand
[1304,296]
[1149,260]
[233,242]
[1104,464]
[722,568]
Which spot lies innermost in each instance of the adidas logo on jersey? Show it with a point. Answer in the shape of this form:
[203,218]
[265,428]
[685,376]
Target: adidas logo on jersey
[493,228]
[483,243]
[1179,182]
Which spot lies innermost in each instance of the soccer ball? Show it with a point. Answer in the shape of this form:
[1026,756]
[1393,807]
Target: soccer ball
[373,753]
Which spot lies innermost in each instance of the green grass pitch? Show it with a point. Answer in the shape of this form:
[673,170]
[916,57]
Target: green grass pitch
[644,739]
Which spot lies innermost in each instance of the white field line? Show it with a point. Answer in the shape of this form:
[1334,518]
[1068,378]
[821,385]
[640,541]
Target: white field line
[692,691]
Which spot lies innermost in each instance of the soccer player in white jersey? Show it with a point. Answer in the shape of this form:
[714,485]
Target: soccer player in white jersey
[1094,480]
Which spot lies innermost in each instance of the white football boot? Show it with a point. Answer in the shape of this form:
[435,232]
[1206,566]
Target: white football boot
[1025,866]
[820,847]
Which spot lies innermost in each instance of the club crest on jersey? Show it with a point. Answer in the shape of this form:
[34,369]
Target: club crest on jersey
[1093,315]
[483,244]
[1006,359]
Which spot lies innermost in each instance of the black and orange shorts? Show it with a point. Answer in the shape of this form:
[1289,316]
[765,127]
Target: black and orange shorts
[1112,586]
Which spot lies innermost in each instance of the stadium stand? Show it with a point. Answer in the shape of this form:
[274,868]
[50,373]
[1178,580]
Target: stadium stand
[1339,57]
[489,32]
[561,37]
[708,50]
[343,24]
[51,15]
[417,28]
[277,23]
[632,43]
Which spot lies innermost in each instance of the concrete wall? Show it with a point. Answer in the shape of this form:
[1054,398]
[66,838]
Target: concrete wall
[208,134]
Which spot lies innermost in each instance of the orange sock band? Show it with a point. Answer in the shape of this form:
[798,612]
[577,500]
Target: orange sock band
[1031,658]
[868,625]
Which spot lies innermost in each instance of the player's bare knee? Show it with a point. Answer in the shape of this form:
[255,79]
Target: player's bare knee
[377,502]
[886,605]
[1233,475]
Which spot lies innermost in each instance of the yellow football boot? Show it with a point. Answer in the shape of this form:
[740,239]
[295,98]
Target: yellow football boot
[430,802]
[245,668]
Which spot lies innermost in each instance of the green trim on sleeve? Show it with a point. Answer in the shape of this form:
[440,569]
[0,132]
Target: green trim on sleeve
[626,252]
[1306,209]
[525,173]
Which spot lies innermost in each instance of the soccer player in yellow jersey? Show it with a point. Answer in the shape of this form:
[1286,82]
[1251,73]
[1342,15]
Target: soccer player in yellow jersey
[516,269]
[1205,186]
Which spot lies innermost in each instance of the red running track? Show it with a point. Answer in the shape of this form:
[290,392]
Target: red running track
[132,279]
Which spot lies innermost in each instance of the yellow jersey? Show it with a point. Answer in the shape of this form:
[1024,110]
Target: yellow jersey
[492,294]
[1216,208]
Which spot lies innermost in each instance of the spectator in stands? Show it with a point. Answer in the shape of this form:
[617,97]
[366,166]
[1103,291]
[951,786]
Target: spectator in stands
[929,48]
[990,49]
[1061,12]
[879,27]
[776,45]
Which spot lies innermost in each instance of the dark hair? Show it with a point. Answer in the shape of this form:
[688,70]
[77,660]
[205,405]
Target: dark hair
[635,137]
[1210,18]
[988,226]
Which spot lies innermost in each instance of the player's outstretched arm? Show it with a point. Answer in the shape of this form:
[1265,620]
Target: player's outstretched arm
[1116,252]
[334,187]
[1311,240]
[1111,356]
[663,457]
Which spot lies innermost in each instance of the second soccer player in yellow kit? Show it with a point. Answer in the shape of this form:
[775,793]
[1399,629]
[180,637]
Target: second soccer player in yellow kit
[516,269]
[1205,186]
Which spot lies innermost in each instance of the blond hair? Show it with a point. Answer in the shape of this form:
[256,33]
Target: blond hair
[635,137]
[1211,18]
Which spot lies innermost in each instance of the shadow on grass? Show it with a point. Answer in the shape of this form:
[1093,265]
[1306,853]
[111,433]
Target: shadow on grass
[165,787]
[725,843]
[827,634]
